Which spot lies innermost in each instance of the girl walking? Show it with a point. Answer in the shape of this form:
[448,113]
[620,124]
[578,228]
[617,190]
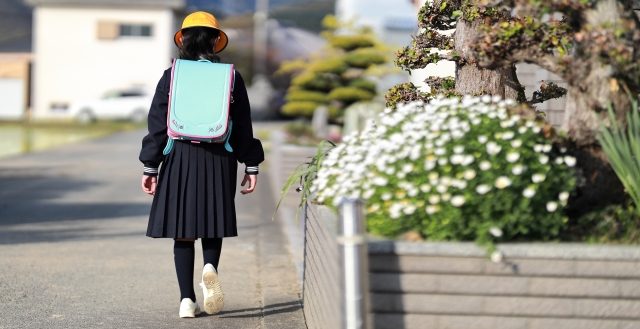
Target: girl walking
[193,192]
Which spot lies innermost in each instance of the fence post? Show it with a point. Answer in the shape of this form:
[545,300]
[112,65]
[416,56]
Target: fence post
[354,281]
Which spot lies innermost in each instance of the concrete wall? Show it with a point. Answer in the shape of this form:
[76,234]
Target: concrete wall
[72,63]
[455,286]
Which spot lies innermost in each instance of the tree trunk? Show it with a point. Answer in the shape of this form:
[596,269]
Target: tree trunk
[473,80]
[588,99]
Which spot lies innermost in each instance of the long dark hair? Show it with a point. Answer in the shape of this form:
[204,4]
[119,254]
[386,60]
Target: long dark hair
[198,42]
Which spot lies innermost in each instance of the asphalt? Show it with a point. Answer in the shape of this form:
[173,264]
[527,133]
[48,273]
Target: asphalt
[73,251]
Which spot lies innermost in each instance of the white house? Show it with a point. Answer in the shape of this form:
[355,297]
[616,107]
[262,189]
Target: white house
[85,48]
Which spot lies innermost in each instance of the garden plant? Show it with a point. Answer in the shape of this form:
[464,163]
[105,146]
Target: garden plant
[339,76]
[469,169]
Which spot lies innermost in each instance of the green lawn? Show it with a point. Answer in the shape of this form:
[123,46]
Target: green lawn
[22,137]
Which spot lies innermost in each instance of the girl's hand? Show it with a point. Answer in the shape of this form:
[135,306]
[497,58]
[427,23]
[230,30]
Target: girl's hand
[253,180]
[149,184]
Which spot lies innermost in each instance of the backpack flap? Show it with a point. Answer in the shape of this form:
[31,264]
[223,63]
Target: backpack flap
[199,101]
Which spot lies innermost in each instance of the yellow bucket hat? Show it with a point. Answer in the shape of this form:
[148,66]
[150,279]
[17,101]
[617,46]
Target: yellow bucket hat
[203,19]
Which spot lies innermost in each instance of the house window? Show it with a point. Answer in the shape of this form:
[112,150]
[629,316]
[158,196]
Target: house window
[109,30]
[135,30]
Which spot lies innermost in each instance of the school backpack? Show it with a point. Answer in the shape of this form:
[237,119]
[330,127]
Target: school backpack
[200,95]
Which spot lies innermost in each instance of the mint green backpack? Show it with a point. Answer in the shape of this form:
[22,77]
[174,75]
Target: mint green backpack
[200,96]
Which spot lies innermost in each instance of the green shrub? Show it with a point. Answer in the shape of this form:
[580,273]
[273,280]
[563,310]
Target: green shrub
[365,84]
[329,65]
[314,81]
[306,96]
[351,42]
[365,57]
[302,109]
[452,170]
[350,94]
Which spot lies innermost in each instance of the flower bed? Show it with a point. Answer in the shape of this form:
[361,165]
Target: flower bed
[473,169]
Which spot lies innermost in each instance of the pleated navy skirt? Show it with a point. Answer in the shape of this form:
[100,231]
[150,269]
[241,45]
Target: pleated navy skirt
[195,193]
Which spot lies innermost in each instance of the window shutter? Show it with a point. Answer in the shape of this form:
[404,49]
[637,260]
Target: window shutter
[108,30]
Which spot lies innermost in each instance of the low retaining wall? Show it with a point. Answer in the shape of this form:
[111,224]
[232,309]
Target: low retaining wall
[546,286]
[454,285]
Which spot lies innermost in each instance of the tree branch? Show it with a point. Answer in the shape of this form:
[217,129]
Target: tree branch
[547,91]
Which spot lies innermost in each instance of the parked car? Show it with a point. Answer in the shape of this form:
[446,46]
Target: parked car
[130,104]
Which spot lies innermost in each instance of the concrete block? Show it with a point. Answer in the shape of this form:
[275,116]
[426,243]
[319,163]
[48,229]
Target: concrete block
[538,323]
[570,287]
[528,306]
[527,267]
[421,303]
[417,264]
[613,269]
[448,284]
[608,308]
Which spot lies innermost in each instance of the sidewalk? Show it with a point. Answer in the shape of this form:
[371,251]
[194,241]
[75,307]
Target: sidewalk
[74,254]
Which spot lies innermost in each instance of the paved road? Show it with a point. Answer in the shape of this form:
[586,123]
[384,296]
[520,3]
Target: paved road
[73,252]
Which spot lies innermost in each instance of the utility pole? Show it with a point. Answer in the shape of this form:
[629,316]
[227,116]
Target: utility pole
[260,90]
[260,35]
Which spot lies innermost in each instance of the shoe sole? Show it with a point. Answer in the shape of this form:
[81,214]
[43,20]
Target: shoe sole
[213,298]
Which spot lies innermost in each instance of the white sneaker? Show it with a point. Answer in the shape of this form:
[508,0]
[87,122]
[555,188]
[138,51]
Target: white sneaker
[213,297]
[188,308]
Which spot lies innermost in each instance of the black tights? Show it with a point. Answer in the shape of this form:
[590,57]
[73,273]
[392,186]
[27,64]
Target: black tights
[183,256]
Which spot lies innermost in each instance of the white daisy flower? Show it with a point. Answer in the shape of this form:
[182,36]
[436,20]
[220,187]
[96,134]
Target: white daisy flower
[497,256]
[493,148]
[538,148]
[508,135]
[495,231]
[469,174]
[538,178]
[458,149]
[457,159]
[517,170]
[502,182]
[485,165]
[482,139]
[434,199]
[468,160]
[528,192]
[457,200]
[513,156]
[570,161]
[409,210]
[516,143]
[543,159]
[432,209]
[563,196]
[483,189]
[425,188]
[429,165]
[552,206]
